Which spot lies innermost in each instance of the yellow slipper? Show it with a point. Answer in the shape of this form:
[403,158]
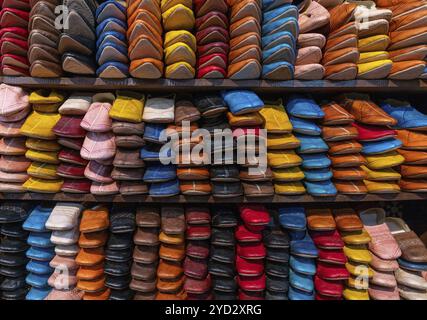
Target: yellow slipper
[180,71]
[179,17]
[374,43]
[39,125]
[288,174]
[184,36]
[282,141]
[45,97]
[43,171]
[248,119]
[48,108]
[355,237]
[381,187]
[359,270]
[179,52]
[355,294]
[42,145]
[384,161]
[289,188]
[276,119]
[283,159]
[381,175]
[43,185]
[358,254]
[42,156]
[366,57]
[374,70]
[128,106]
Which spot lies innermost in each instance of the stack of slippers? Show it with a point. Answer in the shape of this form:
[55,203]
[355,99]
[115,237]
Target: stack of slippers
[160,171]
[145,39]
[128,129]
[77,43]
[277,242]
[384,252]
[279,40]
[43,148]
[118,253]
[251,253]
[410,277]
[211,109]
[331,272]
[180,44]
[413,169]
[64,222]
[14,23]
[40,253]
[372,26]
[197,283]
[170,273]
[99,146]
[212,39]
[70,136]
[13,243]
[193,175]
[340,135]
[378,142]
[313,21]
[90,259]
[111,45]
[303,253]
[245,40]
[222,254]
[303,114]
[146,253]
[407,47]
[341,53]
[43,54]
[245,120]
[13,163]
[281,143]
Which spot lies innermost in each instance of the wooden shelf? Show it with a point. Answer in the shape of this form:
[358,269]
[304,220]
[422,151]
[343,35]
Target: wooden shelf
[318,86]
[403,196]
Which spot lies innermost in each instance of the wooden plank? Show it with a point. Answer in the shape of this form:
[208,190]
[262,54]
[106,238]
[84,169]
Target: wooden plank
[325,86]
[403,196]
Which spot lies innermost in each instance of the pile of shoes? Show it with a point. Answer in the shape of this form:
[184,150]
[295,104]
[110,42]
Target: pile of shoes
[378,143]
[384,253]
[111,45]
[160,171]
[13,247]
[170,273]
[331,272]
[14,24]
[303,253]
[245,41]
[145,39]
[303,113]
[276,240]
[70,136]
[411,125]
[40,253]
[128,129]
[118,253]
[251,253]
[99,146]
[372,26]
[223,174]
[64,222]
[197,283]
[146,253]
[13,163]
[341,53]
[243,116]
[77,43]
[279,40]
[90,259]
[410,276]
[340,135]
[192,174]
[43,54]
[43,149]
[222,254]
[313,22]
[281,143]
[212,38]
[407,47]
[180,44]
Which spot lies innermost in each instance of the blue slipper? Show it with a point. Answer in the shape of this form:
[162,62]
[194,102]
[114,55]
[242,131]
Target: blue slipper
[304,126]
[159,173]
[303,107]
[321,188]
[165,189]
[40,254]
[111,24]
[318,175]
[315,161]
[113,70]
[292,218]
[37,219]
[311,144]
